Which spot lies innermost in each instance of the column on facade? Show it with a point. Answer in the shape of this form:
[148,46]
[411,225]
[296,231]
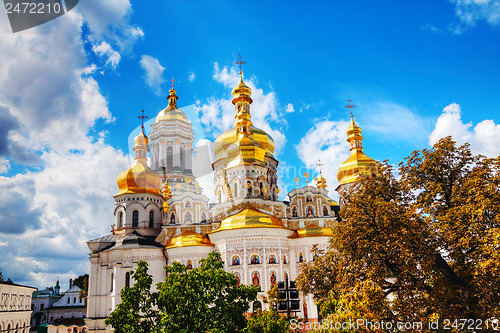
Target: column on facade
[177,156]
[189,159]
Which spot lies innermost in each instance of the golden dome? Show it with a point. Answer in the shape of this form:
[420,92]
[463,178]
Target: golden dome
[171,112]
[139,178]
[249,217]
[257,142]
[312,230]
[188,238]
[320,181]
[332,202]
[357,163]
[241,90]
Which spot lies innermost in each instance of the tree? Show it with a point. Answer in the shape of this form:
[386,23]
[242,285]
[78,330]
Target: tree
[427,241]
[82,281]
[205,299]
[269,321]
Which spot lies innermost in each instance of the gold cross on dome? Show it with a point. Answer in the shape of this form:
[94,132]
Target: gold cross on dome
[172,80]
[350,106]
[239,63]
[142,117]
[319,164]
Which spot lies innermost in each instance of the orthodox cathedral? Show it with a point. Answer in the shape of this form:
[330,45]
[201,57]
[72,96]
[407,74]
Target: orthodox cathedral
[161,215]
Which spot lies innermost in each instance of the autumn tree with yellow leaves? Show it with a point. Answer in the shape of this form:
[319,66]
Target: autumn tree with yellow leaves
[419,246]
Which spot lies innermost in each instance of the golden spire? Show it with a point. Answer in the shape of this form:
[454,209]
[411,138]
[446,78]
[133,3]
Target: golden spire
[139,178]
[320,181]
[242,101]
[165,191]
[172,97]
[358,162]
[350,106]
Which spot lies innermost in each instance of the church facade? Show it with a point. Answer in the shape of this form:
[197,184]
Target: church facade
[161,215]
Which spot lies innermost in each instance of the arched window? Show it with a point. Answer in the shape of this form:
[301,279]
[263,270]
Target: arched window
[310,211]
[249,188]
[325,211]
[135,219]
[170,154]
[235,190]
[112,281]
[172,218]
[151,219]
[187,217]
[203,217]
[120,221]
[261,189]
[127,280]
[294,212]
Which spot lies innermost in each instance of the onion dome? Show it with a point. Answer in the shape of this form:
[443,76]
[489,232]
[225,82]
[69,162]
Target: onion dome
[139,178]
[250,217]
[320,181]
[313,230]
[243,133]
[188,238]
[332,202]
[357,163]
[171,112]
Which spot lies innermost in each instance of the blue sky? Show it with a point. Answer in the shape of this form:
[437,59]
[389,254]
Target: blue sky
[71,91]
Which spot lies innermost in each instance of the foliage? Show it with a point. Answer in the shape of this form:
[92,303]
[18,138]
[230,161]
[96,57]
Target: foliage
[419,247]
[82,282]
[205,299]
[267,322]
[137,310]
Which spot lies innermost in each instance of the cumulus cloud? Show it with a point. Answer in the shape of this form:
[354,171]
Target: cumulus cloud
[104,49]
[471,11]
[49,105]
[481,137]
[153,73]
[191,76]
[395,121]
[218,114]
[325,141]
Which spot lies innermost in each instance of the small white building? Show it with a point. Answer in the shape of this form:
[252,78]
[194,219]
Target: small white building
[15,307]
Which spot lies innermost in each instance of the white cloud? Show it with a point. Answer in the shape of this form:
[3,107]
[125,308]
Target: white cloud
[104,49]
[191,76]
[394,121]
[325,141]
[154,73]
[481,137]
[218,114]
[471,11]
[289,108]
[4,165]
[51,211]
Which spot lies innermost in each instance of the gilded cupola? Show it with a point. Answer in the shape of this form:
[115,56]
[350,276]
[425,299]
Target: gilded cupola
[139,178]
[320,181]
[313,230]
[249,217]
[172,112]
[188,238]
[243,143]
[357,163]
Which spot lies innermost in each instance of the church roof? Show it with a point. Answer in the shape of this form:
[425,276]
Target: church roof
[188,238]
[250,217]
[312,230]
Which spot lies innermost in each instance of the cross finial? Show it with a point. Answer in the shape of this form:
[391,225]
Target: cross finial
[240,63]
[350,106]
[319,164]
[142,117]
[172,80]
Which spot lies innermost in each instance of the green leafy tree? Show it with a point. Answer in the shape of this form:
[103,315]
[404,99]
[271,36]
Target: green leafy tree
[419,247]
[205,299]
[267,322]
